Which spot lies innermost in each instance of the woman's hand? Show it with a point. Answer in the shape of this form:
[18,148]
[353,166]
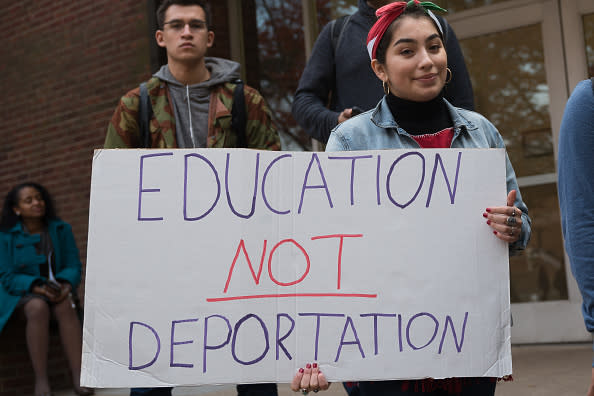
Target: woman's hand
[506,221]
[44,290]
[65,290]
[309,379]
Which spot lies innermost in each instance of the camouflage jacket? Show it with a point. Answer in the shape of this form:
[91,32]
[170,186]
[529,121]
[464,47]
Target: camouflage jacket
[123,131]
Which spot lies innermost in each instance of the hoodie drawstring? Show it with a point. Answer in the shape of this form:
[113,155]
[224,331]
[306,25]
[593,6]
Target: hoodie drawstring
[190,116]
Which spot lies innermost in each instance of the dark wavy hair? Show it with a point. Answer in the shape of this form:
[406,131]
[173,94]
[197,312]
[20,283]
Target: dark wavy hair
[8,218]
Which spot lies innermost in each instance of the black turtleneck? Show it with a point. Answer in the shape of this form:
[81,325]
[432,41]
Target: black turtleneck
[420,118]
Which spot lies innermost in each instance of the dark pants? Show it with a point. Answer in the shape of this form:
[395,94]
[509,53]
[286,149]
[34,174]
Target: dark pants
[150,391]
[256,390]
[470,387]
[242,390]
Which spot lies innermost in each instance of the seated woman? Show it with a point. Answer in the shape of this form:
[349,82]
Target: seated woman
[408,56]
[39,272]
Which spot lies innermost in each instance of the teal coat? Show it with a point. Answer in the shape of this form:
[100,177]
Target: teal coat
[19,263]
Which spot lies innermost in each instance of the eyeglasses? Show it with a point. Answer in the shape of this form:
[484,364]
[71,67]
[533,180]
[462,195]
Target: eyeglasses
[178,25]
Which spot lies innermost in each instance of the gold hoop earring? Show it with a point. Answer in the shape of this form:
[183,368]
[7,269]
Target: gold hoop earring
[386,87]
[451,75]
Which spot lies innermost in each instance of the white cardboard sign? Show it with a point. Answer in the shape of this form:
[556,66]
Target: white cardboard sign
[239,266]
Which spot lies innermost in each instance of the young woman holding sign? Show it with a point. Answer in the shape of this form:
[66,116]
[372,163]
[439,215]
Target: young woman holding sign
[407,54]
[39,272]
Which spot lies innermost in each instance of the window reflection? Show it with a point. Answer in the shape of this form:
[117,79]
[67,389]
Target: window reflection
[332,9]
[589,38]
[276,51]
[512,92]
[461,5]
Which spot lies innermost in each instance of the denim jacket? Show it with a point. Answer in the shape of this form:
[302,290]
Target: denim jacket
[377,129]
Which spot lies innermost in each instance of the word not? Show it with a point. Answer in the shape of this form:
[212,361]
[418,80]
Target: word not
[256,276]
[348,336]
[315,166]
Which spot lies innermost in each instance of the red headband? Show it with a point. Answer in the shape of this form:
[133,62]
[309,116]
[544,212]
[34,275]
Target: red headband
[387,14]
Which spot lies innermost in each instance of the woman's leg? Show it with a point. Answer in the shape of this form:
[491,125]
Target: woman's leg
[37,314]
[71,336]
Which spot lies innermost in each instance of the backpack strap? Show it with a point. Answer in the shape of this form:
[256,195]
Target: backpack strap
[239,114]
[337,29]
[145,113]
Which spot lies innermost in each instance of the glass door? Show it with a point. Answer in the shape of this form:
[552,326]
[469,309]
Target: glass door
[516,59]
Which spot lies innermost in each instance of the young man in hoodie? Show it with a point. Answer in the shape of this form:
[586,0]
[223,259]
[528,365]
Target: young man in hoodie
[192,95]
[192,98]
[338,72]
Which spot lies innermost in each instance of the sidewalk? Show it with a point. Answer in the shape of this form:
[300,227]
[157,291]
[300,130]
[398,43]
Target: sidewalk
[543,370]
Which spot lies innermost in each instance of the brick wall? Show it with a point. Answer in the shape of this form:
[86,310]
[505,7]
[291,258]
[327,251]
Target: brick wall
[64,66]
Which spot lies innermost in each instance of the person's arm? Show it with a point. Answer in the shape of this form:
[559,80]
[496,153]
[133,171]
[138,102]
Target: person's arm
[576,192]
[14,283]
[458,91]
[69,269]
[123,131]
[261,132]
[313,93]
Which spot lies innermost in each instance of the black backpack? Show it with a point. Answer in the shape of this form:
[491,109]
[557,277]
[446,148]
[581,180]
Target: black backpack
[238,115]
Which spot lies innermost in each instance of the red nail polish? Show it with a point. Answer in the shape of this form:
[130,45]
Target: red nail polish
[315,365]
[488,210]
[485,215]
[319,371]
[308,365]
[301,370]
[489,222]
[495,232]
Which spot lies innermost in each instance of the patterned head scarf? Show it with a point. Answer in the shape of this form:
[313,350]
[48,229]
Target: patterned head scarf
[388,13]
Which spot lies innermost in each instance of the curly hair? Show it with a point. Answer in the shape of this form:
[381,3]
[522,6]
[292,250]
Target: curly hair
[9,219]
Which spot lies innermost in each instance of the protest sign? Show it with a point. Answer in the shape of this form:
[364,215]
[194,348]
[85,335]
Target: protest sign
[240,266]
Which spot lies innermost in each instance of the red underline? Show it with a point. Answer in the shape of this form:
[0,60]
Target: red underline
[357,295]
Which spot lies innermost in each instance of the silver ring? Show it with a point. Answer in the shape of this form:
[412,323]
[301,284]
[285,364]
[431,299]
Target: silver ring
[511,221]
[304,391]
[316,390]
[513,211]
[511,233]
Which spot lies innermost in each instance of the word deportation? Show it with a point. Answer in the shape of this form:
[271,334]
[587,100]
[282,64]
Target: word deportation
[413,162]
[432,334]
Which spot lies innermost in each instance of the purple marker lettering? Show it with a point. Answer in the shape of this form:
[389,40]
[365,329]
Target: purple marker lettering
[130,337]
[389,192]
[409,325]
[264,184]
[203,158]
[314,156]
[375,316]
[349,323]
[445,329]
[353,159]
[400,332]
[141,189]
[255,193]
[445,176]
[318,316]
[279,341]
[265,332]
[174,343]
[377,179]
[212,347]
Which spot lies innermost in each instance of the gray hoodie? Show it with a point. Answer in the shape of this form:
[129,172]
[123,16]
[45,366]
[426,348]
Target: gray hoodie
[191,102]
